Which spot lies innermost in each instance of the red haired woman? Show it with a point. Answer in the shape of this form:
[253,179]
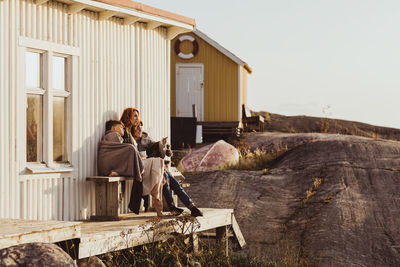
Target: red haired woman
[153,178]
[130,119]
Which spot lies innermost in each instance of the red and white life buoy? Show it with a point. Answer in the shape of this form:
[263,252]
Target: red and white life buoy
[190,39]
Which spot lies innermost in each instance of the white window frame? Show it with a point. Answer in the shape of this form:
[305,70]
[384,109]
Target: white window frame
[48,50]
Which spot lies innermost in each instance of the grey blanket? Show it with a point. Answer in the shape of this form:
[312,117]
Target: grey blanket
[119,157]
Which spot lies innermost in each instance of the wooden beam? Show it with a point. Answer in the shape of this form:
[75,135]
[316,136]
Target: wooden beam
[104,15]
[221,234]
[173,31]
[152,25]
[130,20]
[75,8]
[194,240]
[41,2]
[237,232]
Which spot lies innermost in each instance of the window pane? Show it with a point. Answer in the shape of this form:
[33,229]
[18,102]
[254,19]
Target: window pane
[58,73]
[32,71]
[34,129]
[59,135]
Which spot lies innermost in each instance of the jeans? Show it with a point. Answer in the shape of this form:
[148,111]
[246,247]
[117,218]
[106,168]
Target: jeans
[172,184]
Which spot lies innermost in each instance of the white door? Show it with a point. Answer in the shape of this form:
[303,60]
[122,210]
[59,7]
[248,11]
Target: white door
[189,90]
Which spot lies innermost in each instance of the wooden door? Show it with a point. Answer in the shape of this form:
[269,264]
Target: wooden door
[190,90]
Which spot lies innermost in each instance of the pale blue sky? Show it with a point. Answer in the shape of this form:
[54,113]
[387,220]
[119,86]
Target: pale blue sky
[310,54]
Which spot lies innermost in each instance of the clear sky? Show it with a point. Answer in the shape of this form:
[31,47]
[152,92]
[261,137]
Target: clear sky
[339,59]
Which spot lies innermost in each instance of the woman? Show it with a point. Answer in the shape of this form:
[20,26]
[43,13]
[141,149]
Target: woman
[157,150]
[130,119]
[153,178]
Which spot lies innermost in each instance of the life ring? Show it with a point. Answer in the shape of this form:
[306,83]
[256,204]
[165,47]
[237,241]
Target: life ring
[190,39]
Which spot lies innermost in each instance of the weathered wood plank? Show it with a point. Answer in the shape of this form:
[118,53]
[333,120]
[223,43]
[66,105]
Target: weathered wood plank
[194,240]
[15,231]
[112,205]
[108,179]
[221,234]
[238,234]
[101,237]
[101,199]
[212,221]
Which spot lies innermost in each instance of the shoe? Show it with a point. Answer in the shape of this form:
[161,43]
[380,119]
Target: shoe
[175,210]
[195,212]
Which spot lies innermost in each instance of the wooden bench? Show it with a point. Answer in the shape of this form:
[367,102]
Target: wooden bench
[109,194]
[220,129]
[251,123]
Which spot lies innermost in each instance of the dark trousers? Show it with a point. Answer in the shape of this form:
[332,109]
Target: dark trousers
[172,184]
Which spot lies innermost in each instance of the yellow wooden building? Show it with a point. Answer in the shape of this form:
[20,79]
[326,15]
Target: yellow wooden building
[206,74]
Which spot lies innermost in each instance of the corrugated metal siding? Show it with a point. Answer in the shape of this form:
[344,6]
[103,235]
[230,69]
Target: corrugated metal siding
[50,196]
[220,80]
[153,80]
[119,66]
[4,108]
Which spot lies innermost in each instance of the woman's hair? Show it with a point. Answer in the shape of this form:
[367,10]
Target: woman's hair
[127,115]
[135,129]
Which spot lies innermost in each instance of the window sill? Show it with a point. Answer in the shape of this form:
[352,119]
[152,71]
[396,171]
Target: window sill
[43,168]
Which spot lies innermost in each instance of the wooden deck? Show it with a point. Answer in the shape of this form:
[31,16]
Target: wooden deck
[96,237]
[14,232]
[101,237]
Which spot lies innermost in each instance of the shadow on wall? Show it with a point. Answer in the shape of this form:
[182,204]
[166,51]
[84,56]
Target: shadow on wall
[85,163]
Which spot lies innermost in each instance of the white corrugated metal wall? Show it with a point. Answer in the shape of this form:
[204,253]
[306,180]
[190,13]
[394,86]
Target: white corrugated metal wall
[5,162]
[119,66]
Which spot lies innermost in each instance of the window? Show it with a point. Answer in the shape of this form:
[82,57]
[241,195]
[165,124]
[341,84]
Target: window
[34,112]
[48,98]
[60,97]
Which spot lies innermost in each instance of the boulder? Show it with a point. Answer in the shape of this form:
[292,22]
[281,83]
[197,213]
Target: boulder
[35,254]
[209,157]
[92,261]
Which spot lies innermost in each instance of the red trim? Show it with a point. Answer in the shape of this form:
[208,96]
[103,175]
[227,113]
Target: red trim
[150,10]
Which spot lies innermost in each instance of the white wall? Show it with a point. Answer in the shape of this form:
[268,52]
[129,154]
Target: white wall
[119,66]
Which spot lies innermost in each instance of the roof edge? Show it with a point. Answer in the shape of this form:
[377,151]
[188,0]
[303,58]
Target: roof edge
[223,50]
[150,10]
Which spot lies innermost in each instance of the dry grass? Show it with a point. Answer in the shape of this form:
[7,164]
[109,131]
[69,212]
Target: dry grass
[258,159]
[313,189]
[177,251]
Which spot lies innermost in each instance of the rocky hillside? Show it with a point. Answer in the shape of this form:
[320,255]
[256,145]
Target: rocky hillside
[335,198]
[306,124]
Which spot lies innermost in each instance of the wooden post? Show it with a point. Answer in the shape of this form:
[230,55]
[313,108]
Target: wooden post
[113,190]
[194,240]
[221,234]
[107,199]
[101,198]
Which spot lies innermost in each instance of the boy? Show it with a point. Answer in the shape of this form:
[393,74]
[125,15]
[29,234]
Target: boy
[114,131]
[116,158]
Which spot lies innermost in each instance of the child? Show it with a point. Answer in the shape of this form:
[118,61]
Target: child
[152,169]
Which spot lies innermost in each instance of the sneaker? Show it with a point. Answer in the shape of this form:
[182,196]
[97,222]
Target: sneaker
[175,210]
[195,212]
